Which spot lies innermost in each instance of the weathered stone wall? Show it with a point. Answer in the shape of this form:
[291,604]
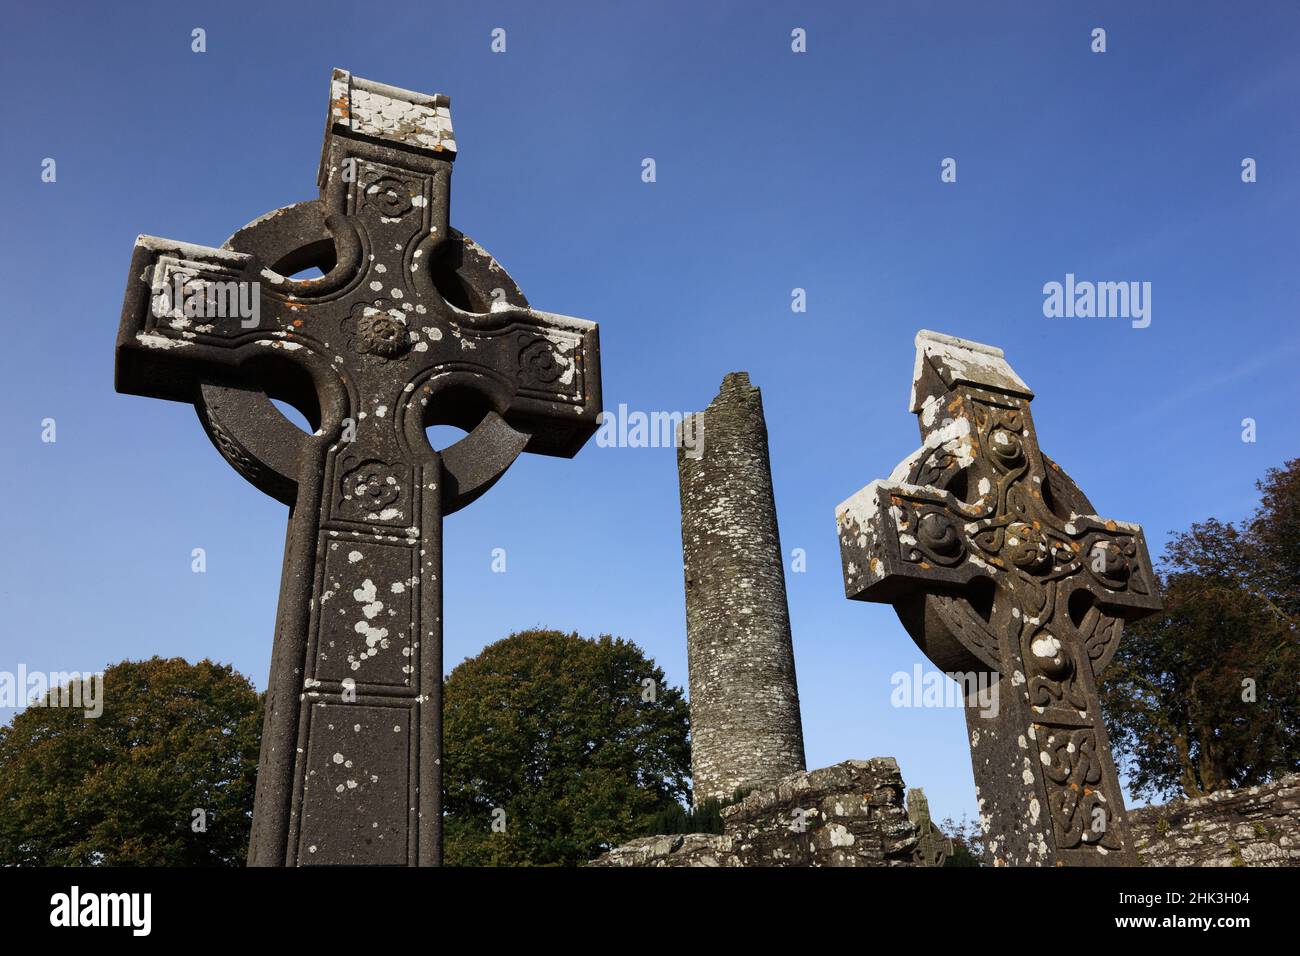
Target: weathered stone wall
[745,725]
[850,814]
[853,814]
[1256,826]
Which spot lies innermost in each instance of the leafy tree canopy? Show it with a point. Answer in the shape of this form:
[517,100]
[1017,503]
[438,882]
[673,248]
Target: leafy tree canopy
[1206,695]
[556,748]
[121,789]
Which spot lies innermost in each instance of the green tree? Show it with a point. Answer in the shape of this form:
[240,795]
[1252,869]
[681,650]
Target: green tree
[561,742]
[121,789]
[1206,695]
[967,841]
[704,817]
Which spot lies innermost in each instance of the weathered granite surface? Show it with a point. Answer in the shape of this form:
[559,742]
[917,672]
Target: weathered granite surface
[849,814]
[745,724]
[1256,826]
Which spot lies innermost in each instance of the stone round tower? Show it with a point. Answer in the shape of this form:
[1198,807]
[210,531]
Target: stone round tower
[745,725]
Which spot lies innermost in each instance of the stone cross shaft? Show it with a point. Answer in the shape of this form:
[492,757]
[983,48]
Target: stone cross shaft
[410,324]
[998,567]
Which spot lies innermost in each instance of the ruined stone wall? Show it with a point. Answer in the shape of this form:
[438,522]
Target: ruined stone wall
[1256,826]
[745,725]
[851,814]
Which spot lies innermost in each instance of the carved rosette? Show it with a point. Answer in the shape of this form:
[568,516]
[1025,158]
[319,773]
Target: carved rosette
[377,330]
[391,196]
[540,363]
[372,490]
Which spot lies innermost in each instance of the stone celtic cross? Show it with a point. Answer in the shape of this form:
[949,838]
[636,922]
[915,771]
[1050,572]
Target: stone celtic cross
[410,324]
[933,848]
[997,564]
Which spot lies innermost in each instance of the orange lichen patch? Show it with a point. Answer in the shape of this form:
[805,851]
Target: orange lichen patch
[1111,526]
[925,565]
[297,323]
[1055,467]
[342,106]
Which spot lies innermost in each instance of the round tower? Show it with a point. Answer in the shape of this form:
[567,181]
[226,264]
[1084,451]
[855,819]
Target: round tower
[745,726]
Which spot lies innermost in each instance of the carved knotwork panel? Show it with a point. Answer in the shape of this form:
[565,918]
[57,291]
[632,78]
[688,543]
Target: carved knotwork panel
[1073,769]
[974,497]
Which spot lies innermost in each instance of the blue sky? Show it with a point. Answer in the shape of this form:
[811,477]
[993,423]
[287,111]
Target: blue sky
[775,170]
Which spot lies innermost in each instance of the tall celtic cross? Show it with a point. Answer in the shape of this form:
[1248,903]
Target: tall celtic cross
[998,567]
[410,324]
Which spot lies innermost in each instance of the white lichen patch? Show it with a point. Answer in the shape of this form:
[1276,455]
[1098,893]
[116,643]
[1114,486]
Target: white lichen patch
[840,835]
[152,340]
[376,637]
[1046,645]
